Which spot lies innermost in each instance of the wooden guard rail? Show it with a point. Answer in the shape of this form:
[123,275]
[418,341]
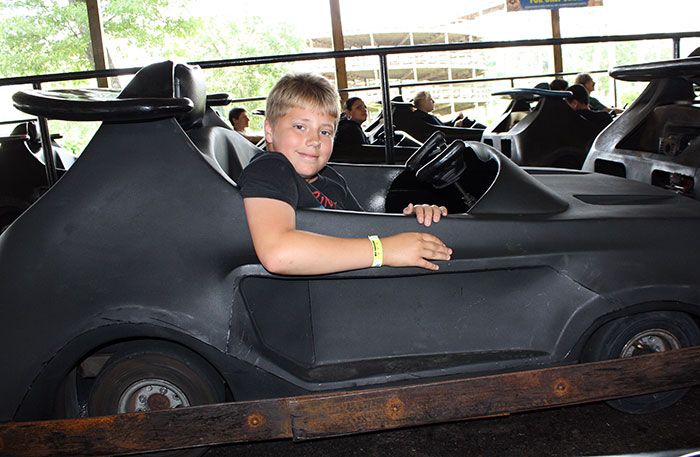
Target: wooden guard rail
[344,413]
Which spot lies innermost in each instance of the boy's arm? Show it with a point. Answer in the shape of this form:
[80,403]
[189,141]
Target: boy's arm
[283,249]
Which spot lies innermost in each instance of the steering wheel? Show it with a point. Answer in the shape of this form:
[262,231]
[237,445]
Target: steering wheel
[431,148]
[446,169]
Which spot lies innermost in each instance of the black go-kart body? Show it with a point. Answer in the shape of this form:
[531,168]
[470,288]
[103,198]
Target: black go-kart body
[551,134]
[138,266]
[23,176]
[657,138]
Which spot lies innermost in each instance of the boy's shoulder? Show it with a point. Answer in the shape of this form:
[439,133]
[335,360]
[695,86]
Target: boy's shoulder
[266,166]
[279,160]
[269,155]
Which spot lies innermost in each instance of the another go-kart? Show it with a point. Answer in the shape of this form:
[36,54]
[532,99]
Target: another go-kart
[23,177]
[657,139]
[550,135]
[132,284]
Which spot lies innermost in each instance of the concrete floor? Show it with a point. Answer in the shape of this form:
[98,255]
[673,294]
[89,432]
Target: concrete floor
[589,430]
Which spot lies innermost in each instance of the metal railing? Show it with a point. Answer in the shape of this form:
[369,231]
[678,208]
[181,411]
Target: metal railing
[380,52]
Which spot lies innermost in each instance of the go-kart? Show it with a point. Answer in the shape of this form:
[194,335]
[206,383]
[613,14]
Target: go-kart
[657,139]
[132,284]
[23,177]
[551,134]
[409,133]
[374,152]
[405,120]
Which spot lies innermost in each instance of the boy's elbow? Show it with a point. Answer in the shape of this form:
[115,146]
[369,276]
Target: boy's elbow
[277,262]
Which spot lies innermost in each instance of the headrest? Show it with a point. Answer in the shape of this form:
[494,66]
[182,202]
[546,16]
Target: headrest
[171,80]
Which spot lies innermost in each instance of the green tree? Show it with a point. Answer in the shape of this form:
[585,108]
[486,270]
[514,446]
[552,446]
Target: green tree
[47,36]
[247,38]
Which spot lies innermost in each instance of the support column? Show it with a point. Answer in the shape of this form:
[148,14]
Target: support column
[556,33]
[341,76]
[98,48]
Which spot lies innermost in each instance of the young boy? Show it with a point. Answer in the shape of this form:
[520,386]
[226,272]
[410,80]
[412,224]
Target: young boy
[301,117]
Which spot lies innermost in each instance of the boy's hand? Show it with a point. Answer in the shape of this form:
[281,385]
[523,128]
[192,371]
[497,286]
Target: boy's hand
[413,249]
[426,214]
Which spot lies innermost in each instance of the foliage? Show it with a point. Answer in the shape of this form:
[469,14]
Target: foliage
[47,36]
[249,38]
[138,32]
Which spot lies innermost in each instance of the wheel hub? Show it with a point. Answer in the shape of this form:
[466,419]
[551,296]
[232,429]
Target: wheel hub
[152,395]
[650,341]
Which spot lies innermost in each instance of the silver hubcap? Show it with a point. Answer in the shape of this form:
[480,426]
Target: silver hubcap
[650,341]
[152,395]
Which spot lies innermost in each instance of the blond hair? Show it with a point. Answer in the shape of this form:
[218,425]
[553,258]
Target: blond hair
[304,90]
[583,79]
[421,98]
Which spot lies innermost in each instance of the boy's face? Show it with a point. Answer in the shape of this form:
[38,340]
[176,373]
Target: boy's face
[304,137]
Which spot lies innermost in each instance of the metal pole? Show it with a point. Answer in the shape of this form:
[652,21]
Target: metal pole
[51,174]
[386,107]
[676,48]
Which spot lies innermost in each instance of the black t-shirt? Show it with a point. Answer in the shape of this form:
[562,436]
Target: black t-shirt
[271,175]
[350,132]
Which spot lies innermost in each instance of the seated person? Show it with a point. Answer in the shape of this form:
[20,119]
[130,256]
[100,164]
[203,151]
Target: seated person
[558,84]
[579,103]
[424,104]
[587,82]
[240,122]
[302,114]
[350,126]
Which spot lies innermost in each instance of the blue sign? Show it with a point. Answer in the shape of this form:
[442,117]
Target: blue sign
[520,5]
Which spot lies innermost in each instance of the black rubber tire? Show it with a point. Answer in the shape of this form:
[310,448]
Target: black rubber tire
[155,364]
[614,340]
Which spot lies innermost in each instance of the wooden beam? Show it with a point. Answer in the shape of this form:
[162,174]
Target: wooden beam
[96,39]
[341,76]
[343,413]
[556,33]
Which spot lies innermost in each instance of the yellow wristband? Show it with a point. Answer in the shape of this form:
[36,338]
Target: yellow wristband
[377,251]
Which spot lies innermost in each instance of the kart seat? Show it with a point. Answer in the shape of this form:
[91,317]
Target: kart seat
[169,79]
[227,147]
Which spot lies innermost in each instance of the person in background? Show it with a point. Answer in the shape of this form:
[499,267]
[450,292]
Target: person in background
[558,84]
[425,104]
[588,83]
[579,102]
[301,117]
[350,126]
[240,122]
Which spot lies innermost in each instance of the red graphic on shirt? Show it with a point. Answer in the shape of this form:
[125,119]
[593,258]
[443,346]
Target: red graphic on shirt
[323,200]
